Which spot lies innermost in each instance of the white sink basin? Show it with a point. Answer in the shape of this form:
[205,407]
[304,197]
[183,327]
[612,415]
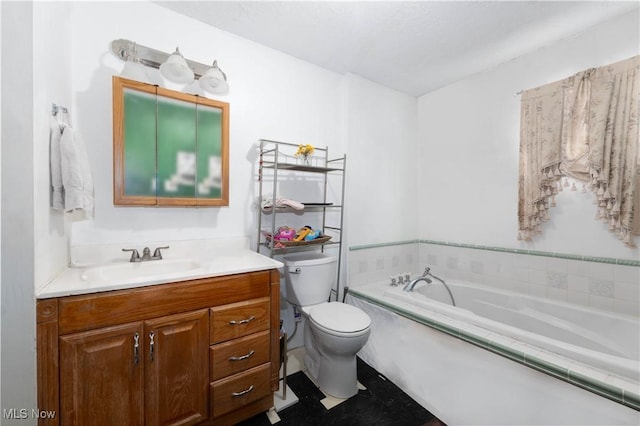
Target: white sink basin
[140,271]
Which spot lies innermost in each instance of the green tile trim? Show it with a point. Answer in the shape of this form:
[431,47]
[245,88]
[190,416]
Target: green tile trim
[610,260]
[547,367]
[507,352]
[604,389]
[590,384]
[631,399]
[378,245]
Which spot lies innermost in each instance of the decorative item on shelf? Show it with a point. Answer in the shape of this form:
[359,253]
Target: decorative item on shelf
[288,237]
[305,152]
[285,234]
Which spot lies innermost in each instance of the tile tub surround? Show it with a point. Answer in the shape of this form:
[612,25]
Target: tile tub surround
[377,262]
[604,283]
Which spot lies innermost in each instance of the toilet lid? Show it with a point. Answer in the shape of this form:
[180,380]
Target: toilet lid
[340,317]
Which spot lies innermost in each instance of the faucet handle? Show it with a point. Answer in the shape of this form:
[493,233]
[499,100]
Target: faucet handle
[157,254]
[135,256]
[426,271]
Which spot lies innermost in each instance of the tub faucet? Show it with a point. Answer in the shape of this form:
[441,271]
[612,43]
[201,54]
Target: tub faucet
[411,284]
[425,277]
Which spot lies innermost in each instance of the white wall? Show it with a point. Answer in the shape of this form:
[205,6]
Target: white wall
[469,137]
[382,162]
[272,96]
[52,33]
[17,263]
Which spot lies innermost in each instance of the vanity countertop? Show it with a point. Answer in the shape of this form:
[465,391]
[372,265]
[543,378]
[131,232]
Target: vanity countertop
[91,271]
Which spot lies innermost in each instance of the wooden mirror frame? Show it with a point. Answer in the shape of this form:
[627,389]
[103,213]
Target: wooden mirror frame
[120,195]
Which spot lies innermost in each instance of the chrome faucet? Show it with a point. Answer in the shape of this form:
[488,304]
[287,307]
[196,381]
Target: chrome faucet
[135,256]
[411,284]
[425,277]
[146,254]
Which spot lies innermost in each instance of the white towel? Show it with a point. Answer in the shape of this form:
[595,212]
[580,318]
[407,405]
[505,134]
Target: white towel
[74,172]
[57,190]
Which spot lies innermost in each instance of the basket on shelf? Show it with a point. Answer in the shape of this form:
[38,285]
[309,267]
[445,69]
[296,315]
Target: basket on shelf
[319,240]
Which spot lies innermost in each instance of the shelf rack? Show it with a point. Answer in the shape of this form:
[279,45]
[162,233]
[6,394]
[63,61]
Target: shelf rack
[275,161]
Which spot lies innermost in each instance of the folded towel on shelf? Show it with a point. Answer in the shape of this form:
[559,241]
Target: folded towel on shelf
[267,203]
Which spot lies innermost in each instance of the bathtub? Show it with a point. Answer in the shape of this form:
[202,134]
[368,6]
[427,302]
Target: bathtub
[503,358]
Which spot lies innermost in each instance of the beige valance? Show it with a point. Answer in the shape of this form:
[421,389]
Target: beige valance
[584,127]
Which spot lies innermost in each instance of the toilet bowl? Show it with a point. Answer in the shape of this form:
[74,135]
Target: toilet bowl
[334,332]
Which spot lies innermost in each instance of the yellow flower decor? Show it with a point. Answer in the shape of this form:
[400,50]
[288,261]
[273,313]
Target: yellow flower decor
[305,151]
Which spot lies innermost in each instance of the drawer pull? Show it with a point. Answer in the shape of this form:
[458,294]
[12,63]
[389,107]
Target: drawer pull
[240,358]
[136,348]
[244,392]
[244,321]
[151,345]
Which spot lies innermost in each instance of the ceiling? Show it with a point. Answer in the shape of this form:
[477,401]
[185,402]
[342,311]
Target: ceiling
[412,46]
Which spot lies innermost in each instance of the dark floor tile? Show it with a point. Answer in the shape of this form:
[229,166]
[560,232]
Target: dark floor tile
[381,404]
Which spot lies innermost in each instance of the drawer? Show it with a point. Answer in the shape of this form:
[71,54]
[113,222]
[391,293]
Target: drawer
[87,311]
[239,390]
[239,319]
[238,355]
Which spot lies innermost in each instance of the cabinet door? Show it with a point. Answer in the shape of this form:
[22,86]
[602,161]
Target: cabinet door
[101,376]
[177,369]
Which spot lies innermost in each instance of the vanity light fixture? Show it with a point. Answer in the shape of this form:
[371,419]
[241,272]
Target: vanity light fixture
[214,80]
[174,68]
[133,69]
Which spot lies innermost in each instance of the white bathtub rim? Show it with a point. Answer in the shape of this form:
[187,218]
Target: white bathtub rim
[617,388]
[626,368]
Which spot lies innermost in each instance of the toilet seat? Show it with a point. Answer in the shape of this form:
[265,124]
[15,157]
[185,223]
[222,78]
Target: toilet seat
[339,319]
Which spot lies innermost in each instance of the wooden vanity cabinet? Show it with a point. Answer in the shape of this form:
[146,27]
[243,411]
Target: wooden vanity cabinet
[189,353]
[99,377]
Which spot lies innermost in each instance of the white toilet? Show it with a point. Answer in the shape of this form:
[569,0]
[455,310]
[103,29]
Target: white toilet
[334,332]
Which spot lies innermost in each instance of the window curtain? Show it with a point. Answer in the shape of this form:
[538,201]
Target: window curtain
[584,127]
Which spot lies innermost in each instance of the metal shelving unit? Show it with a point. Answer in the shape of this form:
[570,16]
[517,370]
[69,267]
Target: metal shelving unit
[277,162]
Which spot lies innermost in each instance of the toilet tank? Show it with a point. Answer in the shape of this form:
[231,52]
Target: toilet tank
[309,277]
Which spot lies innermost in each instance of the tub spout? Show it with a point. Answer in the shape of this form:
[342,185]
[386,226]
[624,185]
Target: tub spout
[411,284]
[425,277]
